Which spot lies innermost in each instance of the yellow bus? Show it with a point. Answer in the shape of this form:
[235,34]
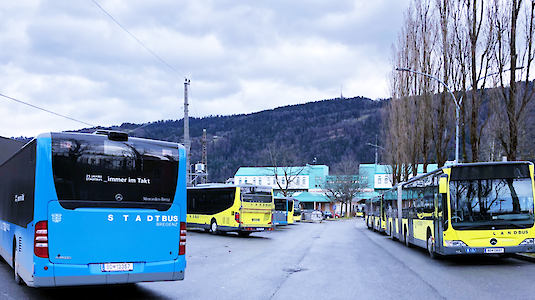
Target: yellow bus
[222,208]
[374,217]
[465,209]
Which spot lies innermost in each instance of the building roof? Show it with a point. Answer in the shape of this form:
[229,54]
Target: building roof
[385,169]
[310,197]
[269,171]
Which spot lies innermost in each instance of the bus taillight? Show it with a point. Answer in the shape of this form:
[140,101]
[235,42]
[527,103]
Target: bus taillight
[40,245]
[237,217]
[182,247]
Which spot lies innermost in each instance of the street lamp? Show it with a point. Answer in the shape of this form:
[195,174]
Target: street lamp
[457,103]
[376,147]
[457,108]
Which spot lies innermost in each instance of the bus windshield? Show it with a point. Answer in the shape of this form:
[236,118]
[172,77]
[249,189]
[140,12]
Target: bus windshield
[257,194]
[92,171]
[281,204]
[492,203]
[260,197]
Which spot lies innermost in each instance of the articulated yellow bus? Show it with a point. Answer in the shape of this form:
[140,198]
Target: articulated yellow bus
[375,217]
[465,209]
[222,208]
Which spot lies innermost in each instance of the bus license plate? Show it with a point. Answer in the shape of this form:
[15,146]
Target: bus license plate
[494,250]
[116,267]
[256,220]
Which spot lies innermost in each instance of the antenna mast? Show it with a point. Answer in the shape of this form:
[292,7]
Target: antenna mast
[187,141]
[204,179]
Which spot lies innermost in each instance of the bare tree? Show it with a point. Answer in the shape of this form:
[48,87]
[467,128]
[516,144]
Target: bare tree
[467,44]
[345,184]
[282,162]
[515,97]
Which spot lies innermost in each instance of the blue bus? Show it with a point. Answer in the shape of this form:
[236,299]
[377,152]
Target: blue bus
[94,209]
[284,211]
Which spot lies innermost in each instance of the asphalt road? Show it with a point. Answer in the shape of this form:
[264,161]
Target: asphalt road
[331,260]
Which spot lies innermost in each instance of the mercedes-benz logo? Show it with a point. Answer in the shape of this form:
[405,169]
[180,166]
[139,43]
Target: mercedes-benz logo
[493,241]
[119,197]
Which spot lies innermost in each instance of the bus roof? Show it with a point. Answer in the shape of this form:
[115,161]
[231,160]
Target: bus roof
[114,137]
[224,185]
[461,165]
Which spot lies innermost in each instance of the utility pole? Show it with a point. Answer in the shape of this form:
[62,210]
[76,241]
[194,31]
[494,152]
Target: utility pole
[204,160]
[376,150]
[187,141]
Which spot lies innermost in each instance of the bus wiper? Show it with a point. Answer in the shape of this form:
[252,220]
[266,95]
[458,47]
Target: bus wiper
[480,226]
[490,225]
[514,217]
[519,226]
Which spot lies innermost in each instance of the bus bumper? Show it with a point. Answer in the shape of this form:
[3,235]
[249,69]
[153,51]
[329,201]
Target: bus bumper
[255,227]
[78,275]
[488,250]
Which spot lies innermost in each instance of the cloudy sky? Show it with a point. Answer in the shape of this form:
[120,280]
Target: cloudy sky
[71,58]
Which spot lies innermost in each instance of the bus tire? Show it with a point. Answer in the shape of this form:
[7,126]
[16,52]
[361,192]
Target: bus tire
[431,246]
[244,233]
[213,227]
[18,280]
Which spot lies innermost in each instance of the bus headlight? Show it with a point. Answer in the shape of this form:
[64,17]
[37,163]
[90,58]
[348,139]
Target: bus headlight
[528,242]
[455,244]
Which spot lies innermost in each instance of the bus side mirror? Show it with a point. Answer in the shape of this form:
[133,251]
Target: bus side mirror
[443,184]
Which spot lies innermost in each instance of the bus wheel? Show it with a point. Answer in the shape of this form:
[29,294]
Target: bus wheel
[431,247]
[244,233]
[213,227]
[18,280]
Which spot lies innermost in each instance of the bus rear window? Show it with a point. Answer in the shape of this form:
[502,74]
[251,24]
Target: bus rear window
[261,197]
[93,171]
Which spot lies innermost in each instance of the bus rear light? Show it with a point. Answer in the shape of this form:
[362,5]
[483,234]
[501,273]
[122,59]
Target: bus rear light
[237,217]
[182,246]
[40,244]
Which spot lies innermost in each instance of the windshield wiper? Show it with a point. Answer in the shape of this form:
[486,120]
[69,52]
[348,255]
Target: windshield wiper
[473,227]
[519,226]
[491,225]
[515,217]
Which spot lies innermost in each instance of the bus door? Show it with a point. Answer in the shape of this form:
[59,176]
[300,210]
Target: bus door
[438,223]
[440,214]
[410,227]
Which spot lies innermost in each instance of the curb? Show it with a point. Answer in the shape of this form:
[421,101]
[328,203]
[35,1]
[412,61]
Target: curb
[523,256]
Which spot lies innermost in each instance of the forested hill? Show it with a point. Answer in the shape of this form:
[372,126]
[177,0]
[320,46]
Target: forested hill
[326,130]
